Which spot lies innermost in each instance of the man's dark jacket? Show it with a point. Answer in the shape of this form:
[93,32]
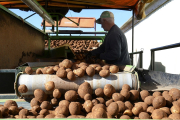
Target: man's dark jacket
[114,49]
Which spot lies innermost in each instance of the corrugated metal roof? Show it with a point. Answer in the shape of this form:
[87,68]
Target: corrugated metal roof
[74,4]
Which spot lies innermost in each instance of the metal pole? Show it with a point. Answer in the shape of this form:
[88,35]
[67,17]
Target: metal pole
[57,19]
[152,60]
[44,27]
[132,34]
[29,16]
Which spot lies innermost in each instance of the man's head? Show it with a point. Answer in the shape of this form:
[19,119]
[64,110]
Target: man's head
[106,20]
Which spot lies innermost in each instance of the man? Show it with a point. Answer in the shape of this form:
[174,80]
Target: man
[114,49]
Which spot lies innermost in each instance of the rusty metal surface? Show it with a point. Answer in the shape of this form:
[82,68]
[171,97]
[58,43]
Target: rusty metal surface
[19,43]
[38,81]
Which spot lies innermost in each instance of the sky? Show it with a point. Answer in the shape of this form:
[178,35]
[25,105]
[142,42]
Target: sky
[120,16]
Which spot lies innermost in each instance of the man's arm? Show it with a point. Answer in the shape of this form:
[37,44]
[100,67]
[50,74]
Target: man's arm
[114,46]
[99,50]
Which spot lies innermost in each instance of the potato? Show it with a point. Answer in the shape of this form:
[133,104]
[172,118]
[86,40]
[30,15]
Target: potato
[158,114]
[64,102]
[150,109]
[33,113]
[55,68]
[84,89]
[136,117]
[166,110]
[144,94]
[61,73]
[62,68]
[143,104]
[39,71]
[71,75]
[89,115]
[56,93]
[128,105]
[50,116]
[62,110]
[88,105]
[13,110]
[60,116]
[175,109]
[45,105]
[121,106]
[109,102]
[125,93]
[40,95]
[28,70]
[98,106]
[124,117]
[44,112]
[9,103]
[82,63]
[117,97]
[99,92]
[94,65]
[148,100]
[95,102]
[174,116]
[100,113]
[71,95]
[36,108]
[137,109]
[30,117]
[76,116]
[34,102]
[144,115]
[4,111]
[109,116]
[176,103]
[67,63]
[104,73]
[23,112]
[54,101]
[49,86]
[128,112]
[90,71]
[43,70]
[100,100]
[68,70]
[174,93]
[75,66]
[88,97]
[114,69]
[155,94]
[84,67]
[165,93]
[50,70]
[126,86]
[79,72]
[98,69]
[113,108]
[106,67]
[22,116]
[109,90]
[20,108]
[134,95]
[74,108]
[22,88]
[159,102]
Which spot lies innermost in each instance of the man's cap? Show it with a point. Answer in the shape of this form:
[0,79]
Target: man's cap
[105,14]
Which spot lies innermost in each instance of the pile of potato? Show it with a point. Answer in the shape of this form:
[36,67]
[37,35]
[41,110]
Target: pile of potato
[70,70]
[102,103]
[79,47]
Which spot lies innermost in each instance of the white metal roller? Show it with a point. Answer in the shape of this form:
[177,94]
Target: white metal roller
[38,82]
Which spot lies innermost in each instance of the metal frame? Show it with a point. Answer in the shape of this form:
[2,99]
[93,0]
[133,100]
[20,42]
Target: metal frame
[160,48]
[140,57]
